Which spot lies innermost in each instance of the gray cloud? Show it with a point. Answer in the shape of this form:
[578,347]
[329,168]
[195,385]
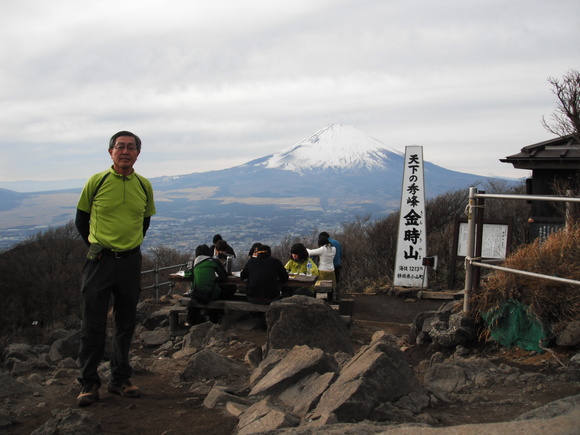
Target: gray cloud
[211,84]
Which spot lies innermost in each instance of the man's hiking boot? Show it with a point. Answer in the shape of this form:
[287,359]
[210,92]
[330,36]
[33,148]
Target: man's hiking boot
[89,395]
[125,389]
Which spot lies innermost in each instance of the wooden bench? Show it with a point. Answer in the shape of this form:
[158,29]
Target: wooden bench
[180,309]
[237,304]
[323,288]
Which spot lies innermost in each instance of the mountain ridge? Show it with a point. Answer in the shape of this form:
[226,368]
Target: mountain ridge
[318,183]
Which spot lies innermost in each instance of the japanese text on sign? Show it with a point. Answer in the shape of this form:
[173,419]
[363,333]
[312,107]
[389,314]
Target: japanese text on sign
[411,241]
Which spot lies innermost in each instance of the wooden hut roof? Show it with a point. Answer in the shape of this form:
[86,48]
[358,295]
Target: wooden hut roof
[559,153]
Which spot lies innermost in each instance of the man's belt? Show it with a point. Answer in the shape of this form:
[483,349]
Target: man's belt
[121,254]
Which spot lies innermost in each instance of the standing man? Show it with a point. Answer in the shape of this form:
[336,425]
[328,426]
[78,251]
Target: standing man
[337,257]
[113,215]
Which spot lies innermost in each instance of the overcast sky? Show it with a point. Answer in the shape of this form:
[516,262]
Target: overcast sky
[213,84]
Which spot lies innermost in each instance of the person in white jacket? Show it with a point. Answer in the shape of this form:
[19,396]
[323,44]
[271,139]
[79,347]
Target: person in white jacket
[325,252]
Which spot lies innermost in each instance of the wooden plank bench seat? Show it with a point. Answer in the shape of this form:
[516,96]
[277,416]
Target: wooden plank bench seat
[238,304]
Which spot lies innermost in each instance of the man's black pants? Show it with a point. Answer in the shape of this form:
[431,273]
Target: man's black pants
[120,278]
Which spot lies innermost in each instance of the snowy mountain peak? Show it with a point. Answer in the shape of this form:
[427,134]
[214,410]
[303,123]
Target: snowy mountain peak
[335,146]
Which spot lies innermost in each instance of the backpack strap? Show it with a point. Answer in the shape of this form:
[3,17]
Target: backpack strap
[100,184]
[142,186]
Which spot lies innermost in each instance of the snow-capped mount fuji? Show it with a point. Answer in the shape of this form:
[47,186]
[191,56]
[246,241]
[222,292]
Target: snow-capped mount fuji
[338,170]
[333,176]
[337,147]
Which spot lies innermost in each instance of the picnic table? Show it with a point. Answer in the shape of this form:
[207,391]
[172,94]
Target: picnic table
[321,287]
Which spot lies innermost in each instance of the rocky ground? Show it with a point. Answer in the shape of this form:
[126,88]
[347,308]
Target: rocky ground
[519,382]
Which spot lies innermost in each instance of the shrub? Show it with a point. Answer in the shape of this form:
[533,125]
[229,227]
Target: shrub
[552,302]
[41,279]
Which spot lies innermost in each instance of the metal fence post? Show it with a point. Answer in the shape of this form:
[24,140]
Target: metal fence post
[157,284]
[568,214]
[470,248]
[156,270]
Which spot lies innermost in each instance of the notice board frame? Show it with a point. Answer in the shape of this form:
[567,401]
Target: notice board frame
[480,241]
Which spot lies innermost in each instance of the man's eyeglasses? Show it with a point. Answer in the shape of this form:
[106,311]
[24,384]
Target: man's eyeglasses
[125,147]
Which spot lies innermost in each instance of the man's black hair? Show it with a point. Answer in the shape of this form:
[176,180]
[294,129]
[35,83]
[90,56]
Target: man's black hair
[264,251]
[125,133]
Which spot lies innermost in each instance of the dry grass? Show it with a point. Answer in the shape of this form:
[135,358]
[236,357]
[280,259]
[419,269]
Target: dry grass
[552,302]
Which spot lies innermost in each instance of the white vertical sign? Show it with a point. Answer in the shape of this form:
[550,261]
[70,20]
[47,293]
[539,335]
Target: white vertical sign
[412,238]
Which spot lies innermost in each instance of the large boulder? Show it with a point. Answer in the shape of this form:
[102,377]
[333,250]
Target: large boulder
[300,362]
[157,319]
[570,335]
[304,395]
[18,351]
[263,417]
[563,406]
[220,396]
[378,373]
[67,346]
[302,320]
[426,317]
[20,358]
[155,338]
[456,375]
[200,335]
[208,364]
[459,330]
[267,364]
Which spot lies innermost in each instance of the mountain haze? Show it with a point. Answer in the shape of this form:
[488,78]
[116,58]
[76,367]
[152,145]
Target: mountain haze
[330,177]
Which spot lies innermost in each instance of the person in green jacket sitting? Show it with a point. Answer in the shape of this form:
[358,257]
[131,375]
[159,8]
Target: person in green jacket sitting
[208,272]
[298,264]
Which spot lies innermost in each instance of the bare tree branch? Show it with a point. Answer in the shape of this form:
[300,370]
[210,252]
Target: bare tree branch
[566,117]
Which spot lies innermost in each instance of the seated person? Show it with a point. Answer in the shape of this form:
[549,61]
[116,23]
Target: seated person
[228,260]
[264,274]
[216,239]
[207,274]
[299,264]
[254,250]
